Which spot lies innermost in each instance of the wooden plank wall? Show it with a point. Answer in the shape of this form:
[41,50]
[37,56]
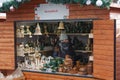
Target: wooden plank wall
[6,45]
[118,51]
[104,49]
[114,10]
[78,11]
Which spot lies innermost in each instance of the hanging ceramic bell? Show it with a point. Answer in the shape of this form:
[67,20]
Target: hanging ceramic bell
[61,26]
[38,30]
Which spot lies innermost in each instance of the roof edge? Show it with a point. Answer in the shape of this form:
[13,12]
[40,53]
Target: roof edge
[115,5]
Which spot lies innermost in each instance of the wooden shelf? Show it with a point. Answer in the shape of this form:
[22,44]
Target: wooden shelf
[83,51]
[43,51]
[82,34]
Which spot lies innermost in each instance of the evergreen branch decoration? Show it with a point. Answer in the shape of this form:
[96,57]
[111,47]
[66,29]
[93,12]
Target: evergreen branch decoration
[7,5]
[98,3]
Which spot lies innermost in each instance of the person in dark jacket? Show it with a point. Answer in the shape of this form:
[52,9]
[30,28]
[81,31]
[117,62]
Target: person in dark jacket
[65,47]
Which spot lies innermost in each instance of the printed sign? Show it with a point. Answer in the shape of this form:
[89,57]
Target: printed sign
[51,11]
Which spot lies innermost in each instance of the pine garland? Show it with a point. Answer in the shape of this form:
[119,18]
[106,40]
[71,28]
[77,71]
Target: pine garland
[15,3]
[106,3]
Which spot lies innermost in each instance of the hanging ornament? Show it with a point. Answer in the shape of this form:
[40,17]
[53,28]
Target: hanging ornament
[88,2]
[99,3]
[1,4]
[12,8]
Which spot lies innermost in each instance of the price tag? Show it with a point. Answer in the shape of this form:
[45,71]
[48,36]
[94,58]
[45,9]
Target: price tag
[90,58]
[91,35]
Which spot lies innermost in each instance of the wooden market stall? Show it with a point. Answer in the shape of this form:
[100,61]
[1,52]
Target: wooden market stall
[105,47]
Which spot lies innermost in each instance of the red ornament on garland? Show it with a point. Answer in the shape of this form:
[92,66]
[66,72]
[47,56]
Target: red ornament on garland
[12,8]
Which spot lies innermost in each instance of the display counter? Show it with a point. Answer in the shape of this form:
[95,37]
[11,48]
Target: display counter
[35,75]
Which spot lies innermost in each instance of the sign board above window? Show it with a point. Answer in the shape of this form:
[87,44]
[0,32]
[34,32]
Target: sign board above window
[51,11]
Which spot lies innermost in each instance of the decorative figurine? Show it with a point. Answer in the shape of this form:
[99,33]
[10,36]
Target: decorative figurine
[82,70]
[26,60]
[28,31]
[60,69]
[22,31]
[48,59]
[18,32]
[77,64]
[38,30]
[20,50]
[67,68]
[27,48]
[75,69]
[67,65]
[33,65]
[37,59]
[26,63]
[68,60]
[42,61]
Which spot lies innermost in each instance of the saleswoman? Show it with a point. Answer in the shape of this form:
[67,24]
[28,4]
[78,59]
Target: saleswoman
[64,47]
